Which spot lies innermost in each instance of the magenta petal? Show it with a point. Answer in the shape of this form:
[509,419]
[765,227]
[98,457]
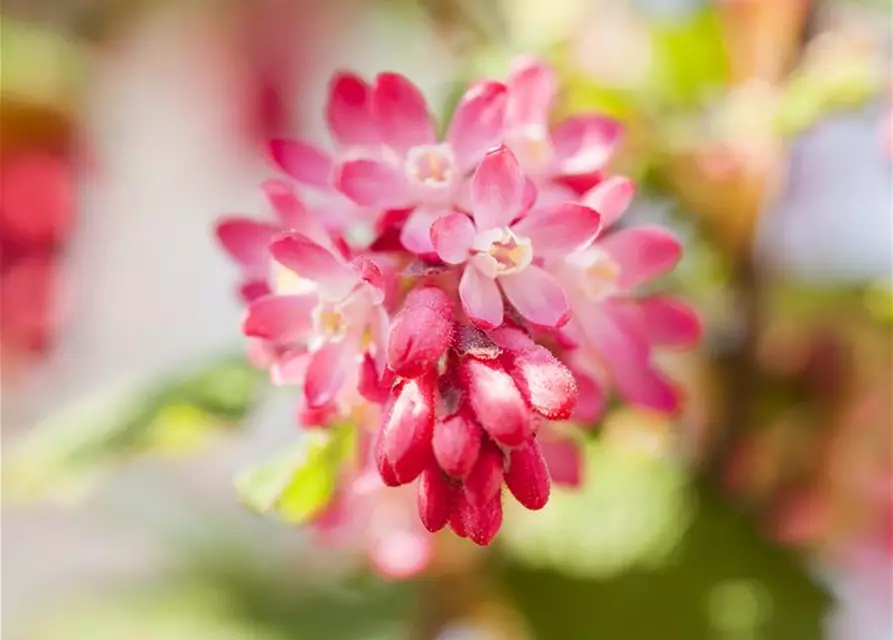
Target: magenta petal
[280,319]
[537,295]
[452,237]
[643,385]
[532,86]
[300,254]
[477,123]
[591,402]
[372,183]
[329,368]
[401,113]
[292,212]
[611,198]
[612,334]
[415,236]
[669,322]
[349,111]
[564,460]
[497,190]
[304,162]
[481,299]
[559,229]
[642,253]
[247,241]
[251,290]
[584,144]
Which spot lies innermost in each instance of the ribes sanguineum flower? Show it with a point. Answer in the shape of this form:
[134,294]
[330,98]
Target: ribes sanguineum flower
[501,244]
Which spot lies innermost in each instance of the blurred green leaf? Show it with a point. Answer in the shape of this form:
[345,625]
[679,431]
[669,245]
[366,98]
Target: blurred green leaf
[65,455]
[298,485]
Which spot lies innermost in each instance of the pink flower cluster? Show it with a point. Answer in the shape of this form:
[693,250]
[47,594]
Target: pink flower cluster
[465,284]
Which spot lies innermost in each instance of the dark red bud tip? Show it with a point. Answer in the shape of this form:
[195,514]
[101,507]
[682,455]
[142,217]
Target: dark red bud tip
[408,428]
[482,522]
[436,498]
[456,443]
[496,401]
[420,332]
[485,479]
[546,384]
[527,476]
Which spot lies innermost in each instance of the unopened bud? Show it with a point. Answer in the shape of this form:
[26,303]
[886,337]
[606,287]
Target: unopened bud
[409,428]
[527,476]
[485,479]
[457,441]
[496,401]
[435,498]
[420,332]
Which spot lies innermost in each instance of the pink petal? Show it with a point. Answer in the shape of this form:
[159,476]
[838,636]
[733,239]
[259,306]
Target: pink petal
[247,241]
[642,253]
[373,184]
[452,237]
[612,335]
[304,162]
[669,322]
[253,289]
[280,319]
[329,369]
[564,460]
[415,235]
[481,299]
[290,369]
[559,229]
[537,295]
[584,144]
[300,254]
[611,198]
[532,86]
[497,189]
[552,193]
[591,403]
[349,111]
[292,212]
[643,385]
[477,123]
[401,113]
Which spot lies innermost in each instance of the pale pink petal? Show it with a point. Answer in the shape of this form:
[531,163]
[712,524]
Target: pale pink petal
[246,241]
[401,113]
[669,322]
[477,123]
[452,237]
[374,184]
[611,198]
[549,193]
[349,111]
[329,368]
[279,319]
[304,162]
[643,385]
[560,229]
[610,333]
[564,460]
[497,190]
[292,212]
[532,86]
[584,144]
[481,299]
[537,295]
[642,253]
[309,260]
[591,404]
[416,233]
[290,369]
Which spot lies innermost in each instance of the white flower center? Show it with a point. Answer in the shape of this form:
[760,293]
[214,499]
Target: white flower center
[499,252]
[284,281]
[329,322]
[599,273]
[431,166]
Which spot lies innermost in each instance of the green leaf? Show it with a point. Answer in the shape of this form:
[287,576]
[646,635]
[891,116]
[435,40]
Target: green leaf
[66,454]
[298,484]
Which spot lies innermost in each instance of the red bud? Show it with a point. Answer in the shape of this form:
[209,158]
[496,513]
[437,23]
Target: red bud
[420,332]
[481,522]
[546,384]
[485,479]
[385,468]
[497,402]
[370,384]
[457,441]
[527,476]
[435,498]
[409,428]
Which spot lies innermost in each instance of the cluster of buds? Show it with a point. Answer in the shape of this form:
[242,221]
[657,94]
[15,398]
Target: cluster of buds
[461,284]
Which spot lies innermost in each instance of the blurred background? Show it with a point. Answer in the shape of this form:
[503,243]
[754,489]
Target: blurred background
[761,131]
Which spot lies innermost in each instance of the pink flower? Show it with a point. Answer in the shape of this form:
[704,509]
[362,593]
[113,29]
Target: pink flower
[615,331]
[322,332]
[415,170]
[579,146]
[501,244]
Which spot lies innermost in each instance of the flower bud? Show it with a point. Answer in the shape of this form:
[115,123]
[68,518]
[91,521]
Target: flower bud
[527,476]
[497,402]
[370,384]
[546,384]
[385,468]
[420,332]
[479,522]
[409,428]
[485,479]
[456,443]
[435,498]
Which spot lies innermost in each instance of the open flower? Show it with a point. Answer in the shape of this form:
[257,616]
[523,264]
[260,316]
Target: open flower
[417,171]
[579,146]
[499,245]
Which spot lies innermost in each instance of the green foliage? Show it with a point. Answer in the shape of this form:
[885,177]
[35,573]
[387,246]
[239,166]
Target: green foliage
[298,485]
[65,455]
